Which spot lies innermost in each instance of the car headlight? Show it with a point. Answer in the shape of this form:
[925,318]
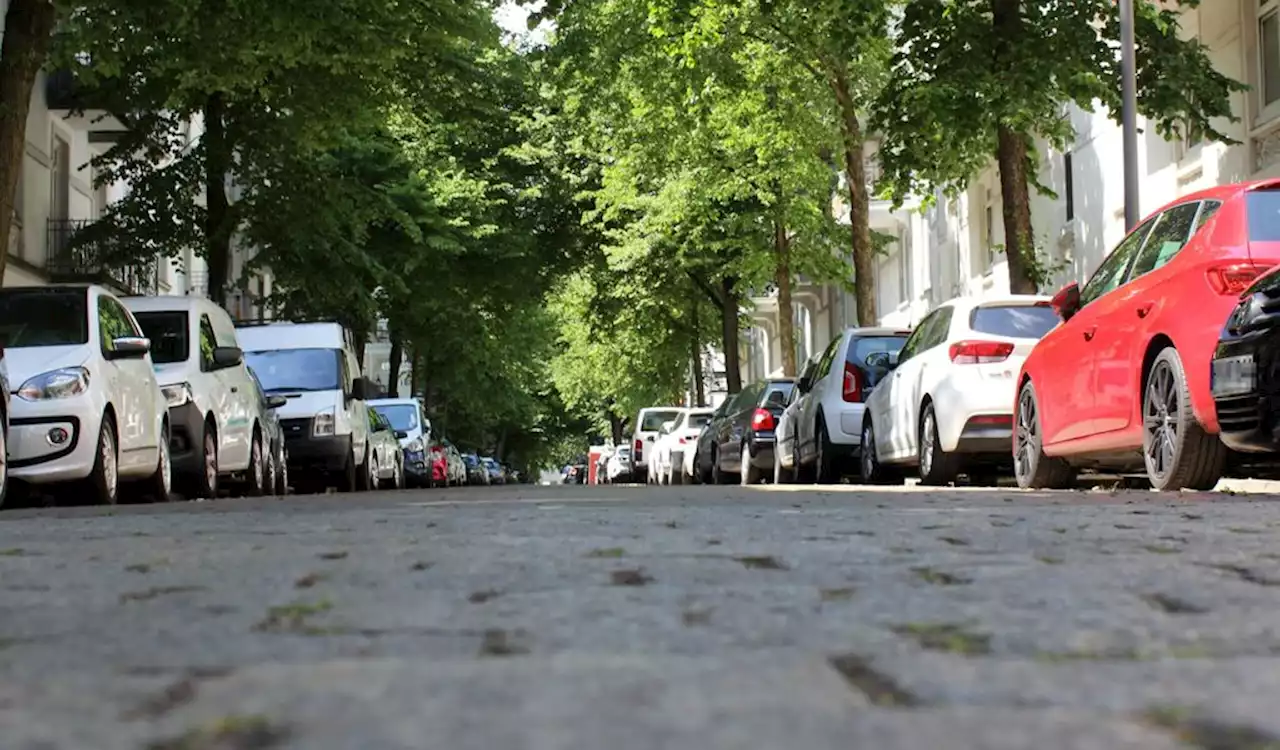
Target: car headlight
[177,395]
[62,383]
[414,446]
[324,424]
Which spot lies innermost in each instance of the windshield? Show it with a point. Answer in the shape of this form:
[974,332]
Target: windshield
[1014,321]
[297,369]
[652,421]
[168,333]
[403,417]
[778,393]
[697,421]
[866,346]
[44,317]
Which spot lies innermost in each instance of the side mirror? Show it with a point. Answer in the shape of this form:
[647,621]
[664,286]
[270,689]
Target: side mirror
[129,347]
[360,390]
[275,402]
[804,384]
[894,358]
[401,435]
[877,361]
[227,356]
[1066,302]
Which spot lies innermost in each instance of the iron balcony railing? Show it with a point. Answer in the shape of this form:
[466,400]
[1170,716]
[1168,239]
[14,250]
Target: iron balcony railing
[70,262]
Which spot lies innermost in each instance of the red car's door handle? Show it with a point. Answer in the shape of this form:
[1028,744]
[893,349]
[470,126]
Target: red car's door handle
[1088,334]
[1145,310]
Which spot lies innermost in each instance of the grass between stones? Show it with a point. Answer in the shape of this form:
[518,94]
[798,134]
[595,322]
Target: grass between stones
[1173,605]
[609,552]
[152,593]
[762,562]
[940,577]
[952,638]
[229,733]
[294,618]
[1209,734]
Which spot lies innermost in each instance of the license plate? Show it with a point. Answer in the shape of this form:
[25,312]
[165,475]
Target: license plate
[1234,375]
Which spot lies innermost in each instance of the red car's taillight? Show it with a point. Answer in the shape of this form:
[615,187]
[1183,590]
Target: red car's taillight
[1233,278]
[980,352]
[852,390]
[762,420]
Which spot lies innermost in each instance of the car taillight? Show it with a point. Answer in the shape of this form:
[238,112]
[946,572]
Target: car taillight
[762,420]
[980,352]
[638,451]
[682,440]
[1232,279]
[852,383]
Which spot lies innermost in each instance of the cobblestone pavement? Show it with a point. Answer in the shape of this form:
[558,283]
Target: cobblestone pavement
[695,617]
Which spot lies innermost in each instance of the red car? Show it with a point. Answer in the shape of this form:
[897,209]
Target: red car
[439,466]
[1124,381]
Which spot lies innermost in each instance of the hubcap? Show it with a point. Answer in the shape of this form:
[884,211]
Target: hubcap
[1028,438]
[926,445]
[210,461]
[109,463]
[259,471]
[166,469]
[868,452]
[1161,420]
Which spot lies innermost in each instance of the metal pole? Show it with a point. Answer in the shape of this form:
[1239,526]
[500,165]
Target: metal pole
[1129,114]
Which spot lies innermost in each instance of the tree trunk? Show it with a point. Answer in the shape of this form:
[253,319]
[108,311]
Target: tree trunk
[28,25]
[729,334]
[217,224]
[394,361]
[699,376]
[616,424]
[1015,198]
[855,172]
[786,317]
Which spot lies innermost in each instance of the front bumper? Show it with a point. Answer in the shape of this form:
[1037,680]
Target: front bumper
[306,451]
[974,408]
[1250,422]
[53,441]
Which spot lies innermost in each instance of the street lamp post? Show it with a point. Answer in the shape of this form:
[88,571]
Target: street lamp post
[1129,114]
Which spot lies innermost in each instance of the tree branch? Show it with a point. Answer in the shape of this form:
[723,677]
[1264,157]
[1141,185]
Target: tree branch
[707,289]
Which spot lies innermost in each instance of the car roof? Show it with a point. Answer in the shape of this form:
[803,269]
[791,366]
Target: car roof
[167,303]
[393,402]
[877,331]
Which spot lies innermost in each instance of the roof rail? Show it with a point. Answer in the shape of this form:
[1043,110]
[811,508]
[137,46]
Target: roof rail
[247,322]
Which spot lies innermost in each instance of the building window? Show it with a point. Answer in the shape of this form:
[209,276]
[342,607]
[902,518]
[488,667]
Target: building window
[1069,185]
[904,274]
[60,181]
[802,330]
[1269,51]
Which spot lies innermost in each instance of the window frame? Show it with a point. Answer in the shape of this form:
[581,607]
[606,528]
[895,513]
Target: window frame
[206,364]
[906,352]
[1145,228]
[1160,220]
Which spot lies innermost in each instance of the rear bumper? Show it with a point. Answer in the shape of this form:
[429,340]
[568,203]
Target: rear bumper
[761,446]
[974,408]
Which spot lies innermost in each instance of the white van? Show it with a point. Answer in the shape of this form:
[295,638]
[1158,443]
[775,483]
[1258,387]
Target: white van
[215,418]
[325,419]
[644,436]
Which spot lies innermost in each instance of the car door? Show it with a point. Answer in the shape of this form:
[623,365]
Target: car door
[900,403]
[1121,314]
[233,452]
[822,383]
[133,380]
[236,381]
[791,415]
[1067,379]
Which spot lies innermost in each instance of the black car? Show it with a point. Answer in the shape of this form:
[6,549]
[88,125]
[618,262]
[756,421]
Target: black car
[702,450]
[1244,374]
[743,439]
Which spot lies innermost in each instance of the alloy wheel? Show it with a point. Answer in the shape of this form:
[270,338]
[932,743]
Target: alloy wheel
[1160,419]
[210,460]
[166,466]
[110,471]
[4,465]
[927,445]
[868,451]
[1027,438]
[259,468]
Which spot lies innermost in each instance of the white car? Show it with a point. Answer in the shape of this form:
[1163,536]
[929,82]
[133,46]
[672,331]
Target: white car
[827,420]
[216,418]
[386,459]
[784,455]
[647,426]
[4,427]
[673,455]
[619,467]
[947,407]
[87,413]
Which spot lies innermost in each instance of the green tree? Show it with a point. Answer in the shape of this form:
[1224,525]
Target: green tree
[974,81]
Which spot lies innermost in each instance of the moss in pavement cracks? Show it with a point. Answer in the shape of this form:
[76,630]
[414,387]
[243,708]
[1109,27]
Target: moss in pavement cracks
[940,577]
[609,552]
[1209,734]
[333,555]
[294,618]
[480,597]
[229,733]
[952,638]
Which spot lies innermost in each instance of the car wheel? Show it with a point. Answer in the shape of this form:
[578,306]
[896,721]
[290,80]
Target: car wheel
[872,471]
[717,474]
[781,474]
[749,475]
[282,474]
[206,482]
[824,465]
[362,472]
[103,484]
[4,459]
[255,479]
[159,485]
[1031,467]
[1178,452]
[937,467]
[400,473]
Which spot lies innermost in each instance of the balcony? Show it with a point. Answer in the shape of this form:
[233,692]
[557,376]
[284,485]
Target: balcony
[70,262]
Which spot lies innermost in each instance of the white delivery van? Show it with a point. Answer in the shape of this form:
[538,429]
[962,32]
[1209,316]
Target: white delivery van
[325,419]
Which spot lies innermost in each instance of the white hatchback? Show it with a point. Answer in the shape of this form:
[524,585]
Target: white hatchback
[87,413]
[947,407]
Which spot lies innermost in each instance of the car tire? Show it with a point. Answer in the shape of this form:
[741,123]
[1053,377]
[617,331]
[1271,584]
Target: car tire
[825,469]
[938,468]
[205,483]
[871,470]
[103,483]
[717,474]
[4,458]
[349,478]
[1177,451]
[255,477]
[749,475]
[781,474]
[1031,467]
[159,486]
[363,471]
[282,474]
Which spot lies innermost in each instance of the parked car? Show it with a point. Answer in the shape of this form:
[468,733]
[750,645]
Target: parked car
[828,420]
[1124,383]
[413,430]
[273,439]
[742,447]
[216,434]
[326,421]
[386,459]
[704,448]
[784,454]
[947,406]
[618,469]
[477,472]
[4,426]
[1245,371]
[87,414]
[496,475]
[674,451]
[647,426]
[455,467]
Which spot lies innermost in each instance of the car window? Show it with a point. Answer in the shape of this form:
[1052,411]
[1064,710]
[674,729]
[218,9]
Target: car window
[864,346]
[1014,321]
[911,346]
[652,421]
[1263,207]
[208,342]
[1170,234]
[824,363]
[778,393]
[1115,268]
[113,323]
[1208,209]
[167,331]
